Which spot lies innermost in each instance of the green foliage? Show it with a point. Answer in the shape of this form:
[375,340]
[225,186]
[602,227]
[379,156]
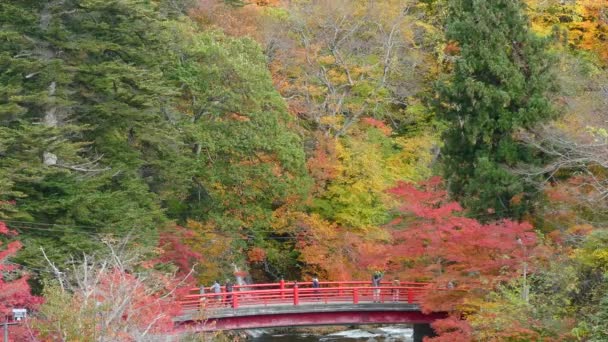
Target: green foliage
[598,323]
[499,84]
[594,252]
[247,162]
[567,298]
[119,116]
[235,3]
[370,161]
[85,85]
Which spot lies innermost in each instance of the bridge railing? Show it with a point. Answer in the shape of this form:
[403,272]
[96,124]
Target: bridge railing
[354,292]
[290,284]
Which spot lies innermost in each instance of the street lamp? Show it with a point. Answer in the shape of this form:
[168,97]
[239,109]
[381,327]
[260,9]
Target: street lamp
[19,314]
[525,291]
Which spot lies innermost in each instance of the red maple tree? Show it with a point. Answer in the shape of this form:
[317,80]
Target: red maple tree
[14,289]
[433,241]
[175,249]
[437,243]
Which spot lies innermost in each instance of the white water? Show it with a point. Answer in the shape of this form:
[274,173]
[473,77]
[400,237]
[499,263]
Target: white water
[394,333]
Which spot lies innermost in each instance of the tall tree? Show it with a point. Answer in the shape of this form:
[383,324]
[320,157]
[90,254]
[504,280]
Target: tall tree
[499,81]
[83,108]
[110,125]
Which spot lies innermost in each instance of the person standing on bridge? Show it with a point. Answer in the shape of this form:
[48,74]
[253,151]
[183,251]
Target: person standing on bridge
[217,289]
[395,290]
[228,292]
[376,278]
[316,286]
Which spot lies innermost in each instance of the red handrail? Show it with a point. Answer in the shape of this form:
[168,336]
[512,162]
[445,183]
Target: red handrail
[283,293]
[289,284]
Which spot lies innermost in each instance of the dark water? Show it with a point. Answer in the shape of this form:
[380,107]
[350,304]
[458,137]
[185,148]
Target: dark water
[394,333]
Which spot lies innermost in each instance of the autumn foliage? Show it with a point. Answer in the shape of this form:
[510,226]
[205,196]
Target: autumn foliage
[452,329]
[174,248]
[112,298]
[14,289]
[436,242]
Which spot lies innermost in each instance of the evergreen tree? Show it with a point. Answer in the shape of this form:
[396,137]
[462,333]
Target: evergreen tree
[82,114]
[598,322]
[117,116]
[498,85]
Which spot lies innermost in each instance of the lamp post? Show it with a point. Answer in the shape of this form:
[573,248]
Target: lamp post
[18,315]
[525,291]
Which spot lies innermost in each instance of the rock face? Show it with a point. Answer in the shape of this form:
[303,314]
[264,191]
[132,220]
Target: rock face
[421,331]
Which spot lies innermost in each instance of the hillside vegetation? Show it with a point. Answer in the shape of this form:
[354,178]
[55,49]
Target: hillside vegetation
[451,141]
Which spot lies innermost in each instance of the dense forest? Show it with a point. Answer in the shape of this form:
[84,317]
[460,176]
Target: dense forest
[149,144]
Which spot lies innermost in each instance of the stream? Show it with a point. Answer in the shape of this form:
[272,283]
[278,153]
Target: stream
[393,333]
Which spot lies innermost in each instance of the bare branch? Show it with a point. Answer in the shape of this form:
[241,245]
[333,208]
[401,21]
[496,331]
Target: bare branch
[56,271]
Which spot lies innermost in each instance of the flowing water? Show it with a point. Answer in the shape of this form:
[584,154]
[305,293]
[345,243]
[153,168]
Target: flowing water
[393,333]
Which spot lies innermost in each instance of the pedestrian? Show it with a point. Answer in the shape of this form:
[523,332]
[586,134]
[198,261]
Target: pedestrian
[376,278]
[217,289]
[395,290]
[229,286]
[316,286]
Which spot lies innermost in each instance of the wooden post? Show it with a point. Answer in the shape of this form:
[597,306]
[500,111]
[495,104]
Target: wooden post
[296,300]
[355,296]
[235,301]
[410,296]
[6,324]
[282,288]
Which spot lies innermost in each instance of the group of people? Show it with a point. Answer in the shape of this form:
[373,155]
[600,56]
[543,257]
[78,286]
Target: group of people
[226,298]
[217,289]
[376,283]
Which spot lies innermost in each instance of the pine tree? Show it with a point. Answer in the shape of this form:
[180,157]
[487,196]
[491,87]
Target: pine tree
[117,116]
[498,85]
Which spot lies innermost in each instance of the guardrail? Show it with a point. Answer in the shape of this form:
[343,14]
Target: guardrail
[292,293]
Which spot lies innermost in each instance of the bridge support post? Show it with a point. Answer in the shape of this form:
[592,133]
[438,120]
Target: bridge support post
[410,296]
[355,296]
[296,299]
[423,330]
[282,288]
[235,301]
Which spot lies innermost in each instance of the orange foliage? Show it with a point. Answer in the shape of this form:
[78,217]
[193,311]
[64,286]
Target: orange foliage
[323,165]
[236,22]
[238,117]
[256,254]
[594,28]
[326,250]
[567,199]
[452,49]
[379,124]
[586,22]
[213,246]
[451,329]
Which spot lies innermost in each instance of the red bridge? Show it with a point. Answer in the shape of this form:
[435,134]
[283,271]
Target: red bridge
[299,304]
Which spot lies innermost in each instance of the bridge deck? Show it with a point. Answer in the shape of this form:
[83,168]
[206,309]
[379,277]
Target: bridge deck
[283,304]
[310,307]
